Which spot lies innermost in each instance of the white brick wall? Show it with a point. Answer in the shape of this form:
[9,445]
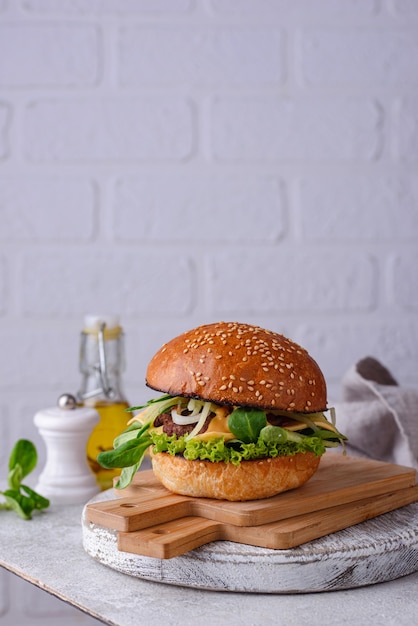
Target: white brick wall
[181,161]
[108,128]
[317,128]
[72,51]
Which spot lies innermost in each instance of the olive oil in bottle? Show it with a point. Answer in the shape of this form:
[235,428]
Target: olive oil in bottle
[102,362]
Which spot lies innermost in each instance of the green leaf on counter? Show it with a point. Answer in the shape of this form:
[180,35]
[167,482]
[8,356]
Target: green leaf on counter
[20,498]
[24,454]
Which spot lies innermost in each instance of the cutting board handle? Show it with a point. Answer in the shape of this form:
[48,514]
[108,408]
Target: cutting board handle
[130,514]
[165,541]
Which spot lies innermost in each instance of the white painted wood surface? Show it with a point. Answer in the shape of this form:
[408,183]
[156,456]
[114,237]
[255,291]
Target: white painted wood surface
[379,550]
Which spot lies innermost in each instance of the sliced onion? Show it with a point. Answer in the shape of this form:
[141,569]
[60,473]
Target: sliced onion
[202,419]
[183,420]
[195,406]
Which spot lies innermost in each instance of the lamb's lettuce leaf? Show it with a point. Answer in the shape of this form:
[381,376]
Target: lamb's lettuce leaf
[246,423]
[19,497]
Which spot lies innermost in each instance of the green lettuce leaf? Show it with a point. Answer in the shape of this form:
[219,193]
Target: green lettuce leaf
[217,450]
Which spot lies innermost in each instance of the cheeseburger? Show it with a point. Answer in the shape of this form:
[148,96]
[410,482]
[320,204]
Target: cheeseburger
[242,415]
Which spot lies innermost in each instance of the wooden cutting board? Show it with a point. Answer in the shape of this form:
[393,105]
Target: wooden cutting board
[345,491]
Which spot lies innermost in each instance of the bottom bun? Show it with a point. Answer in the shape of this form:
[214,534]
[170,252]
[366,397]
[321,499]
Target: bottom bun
[251,480]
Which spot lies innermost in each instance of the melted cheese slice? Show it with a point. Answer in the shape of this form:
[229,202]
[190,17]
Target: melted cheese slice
[218,427]
[326,426]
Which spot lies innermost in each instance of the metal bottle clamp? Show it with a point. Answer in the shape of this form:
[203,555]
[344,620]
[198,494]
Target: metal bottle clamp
[101,369]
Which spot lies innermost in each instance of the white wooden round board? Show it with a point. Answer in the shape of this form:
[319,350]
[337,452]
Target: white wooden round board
[379,550]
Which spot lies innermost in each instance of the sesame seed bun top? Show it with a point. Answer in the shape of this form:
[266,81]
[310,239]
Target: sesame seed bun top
[239,364]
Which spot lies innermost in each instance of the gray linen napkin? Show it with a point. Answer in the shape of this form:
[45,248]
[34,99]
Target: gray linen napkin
[379,417]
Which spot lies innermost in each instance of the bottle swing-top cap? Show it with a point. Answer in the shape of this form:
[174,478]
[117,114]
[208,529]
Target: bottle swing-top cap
[109,325]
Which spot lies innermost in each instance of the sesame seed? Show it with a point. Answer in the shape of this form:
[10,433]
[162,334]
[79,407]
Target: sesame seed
[222,388]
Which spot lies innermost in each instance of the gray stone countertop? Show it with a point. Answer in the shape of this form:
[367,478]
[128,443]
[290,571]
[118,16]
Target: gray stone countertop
[48,552]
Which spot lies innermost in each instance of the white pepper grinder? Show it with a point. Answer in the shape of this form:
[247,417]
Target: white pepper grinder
[66,477]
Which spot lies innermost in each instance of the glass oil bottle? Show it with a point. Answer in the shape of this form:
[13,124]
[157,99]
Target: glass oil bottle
[102,361]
